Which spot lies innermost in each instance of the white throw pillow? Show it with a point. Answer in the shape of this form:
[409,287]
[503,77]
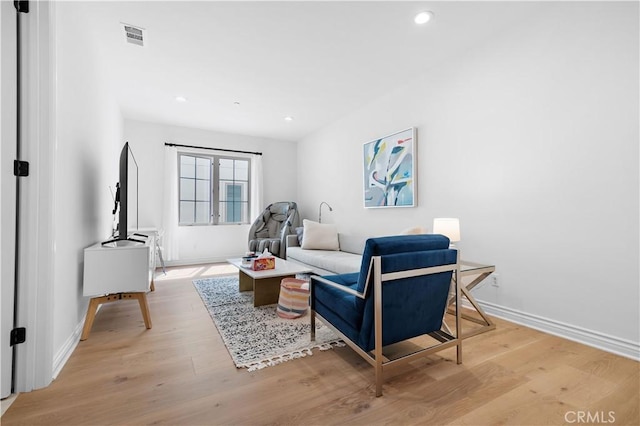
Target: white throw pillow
[319,236]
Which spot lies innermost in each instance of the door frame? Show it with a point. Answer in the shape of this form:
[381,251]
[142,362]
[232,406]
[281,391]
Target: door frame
[34,358]
[8,189]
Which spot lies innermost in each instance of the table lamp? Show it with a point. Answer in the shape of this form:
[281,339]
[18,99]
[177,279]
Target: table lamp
[449,227]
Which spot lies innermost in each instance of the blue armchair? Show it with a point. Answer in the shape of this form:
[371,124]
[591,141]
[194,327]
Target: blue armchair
[401,292]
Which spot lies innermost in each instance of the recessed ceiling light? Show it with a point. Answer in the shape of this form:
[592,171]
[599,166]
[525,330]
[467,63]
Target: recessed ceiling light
[181,99]
[288,118]
[423,17]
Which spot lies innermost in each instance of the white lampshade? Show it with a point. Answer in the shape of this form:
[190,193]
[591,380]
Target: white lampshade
[447,226]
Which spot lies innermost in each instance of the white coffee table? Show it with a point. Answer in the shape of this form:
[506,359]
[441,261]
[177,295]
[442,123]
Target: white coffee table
[266,284]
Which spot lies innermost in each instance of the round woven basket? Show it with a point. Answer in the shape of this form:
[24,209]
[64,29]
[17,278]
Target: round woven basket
[294,298]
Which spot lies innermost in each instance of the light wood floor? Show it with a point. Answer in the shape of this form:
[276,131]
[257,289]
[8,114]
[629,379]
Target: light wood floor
[180,373]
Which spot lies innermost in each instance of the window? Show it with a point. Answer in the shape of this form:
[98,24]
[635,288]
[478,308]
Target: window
[214,190]
[233,193]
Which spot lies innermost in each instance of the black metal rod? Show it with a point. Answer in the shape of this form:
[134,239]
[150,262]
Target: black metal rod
[213,149]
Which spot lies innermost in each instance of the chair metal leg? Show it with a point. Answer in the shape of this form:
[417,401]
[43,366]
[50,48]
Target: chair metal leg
[377,289]
[312,316]
[456,273]
[379,376]
[160,256]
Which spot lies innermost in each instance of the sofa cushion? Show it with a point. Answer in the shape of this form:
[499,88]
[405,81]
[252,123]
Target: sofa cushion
[338,262]
[352,243]
[319,236]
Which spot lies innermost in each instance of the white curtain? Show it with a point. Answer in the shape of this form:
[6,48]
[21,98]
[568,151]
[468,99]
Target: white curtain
[256,187]
[170,207]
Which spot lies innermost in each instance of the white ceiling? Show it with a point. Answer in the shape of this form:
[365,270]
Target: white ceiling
[314,61]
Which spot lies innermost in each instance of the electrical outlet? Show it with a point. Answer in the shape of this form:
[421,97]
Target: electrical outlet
[495,280]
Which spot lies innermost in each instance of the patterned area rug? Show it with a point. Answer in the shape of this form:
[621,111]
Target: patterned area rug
[255,336]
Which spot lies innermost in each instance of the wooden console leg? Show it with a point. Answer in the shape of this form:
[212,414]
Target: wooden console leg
[97,301]
[91,316]
[144,307]
[91,311]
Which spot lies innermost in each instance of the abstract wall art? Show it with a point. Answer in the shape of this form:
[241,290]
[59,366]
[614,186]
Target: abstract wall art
[390,171]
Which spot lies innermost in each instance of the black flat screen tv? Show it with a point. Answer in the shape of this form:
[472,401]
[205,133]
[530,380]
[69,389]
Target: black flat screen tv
[126,199]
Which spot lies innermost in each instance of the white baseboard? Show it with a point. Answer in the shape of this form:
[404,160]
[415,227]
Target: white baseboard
[200,261]
[616,345]
[66,350]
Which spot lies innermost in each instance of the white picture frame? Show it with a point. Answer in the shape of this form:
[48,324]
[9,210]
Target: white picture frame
[389,170]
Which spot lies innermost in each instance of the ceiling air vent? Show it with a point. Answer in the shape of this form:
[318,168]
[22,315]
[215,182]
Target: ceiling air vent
[134,35]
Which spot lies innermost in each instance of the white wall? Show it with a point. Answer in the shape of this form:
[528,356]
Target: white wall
[88,141]
[206,243]
[532,141]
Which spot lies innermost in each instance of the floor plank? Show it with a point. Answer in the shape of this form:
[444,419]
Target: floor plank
[180,372]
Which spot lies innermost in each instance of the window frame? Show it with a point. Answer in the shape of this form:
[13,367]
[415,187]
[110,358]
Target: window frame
[214,186]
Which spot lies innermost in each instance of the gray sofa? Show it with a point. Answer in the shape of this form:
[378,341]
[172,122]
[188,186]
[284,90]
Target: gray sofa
[329,262]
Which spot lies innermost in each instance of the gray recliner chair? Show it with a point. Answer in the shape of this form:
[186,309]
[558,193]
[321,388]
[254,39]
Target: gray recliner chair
[271,228]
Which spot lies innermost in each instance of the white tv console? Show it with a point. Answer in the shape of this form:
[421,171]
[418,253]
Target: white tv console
[119,270]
